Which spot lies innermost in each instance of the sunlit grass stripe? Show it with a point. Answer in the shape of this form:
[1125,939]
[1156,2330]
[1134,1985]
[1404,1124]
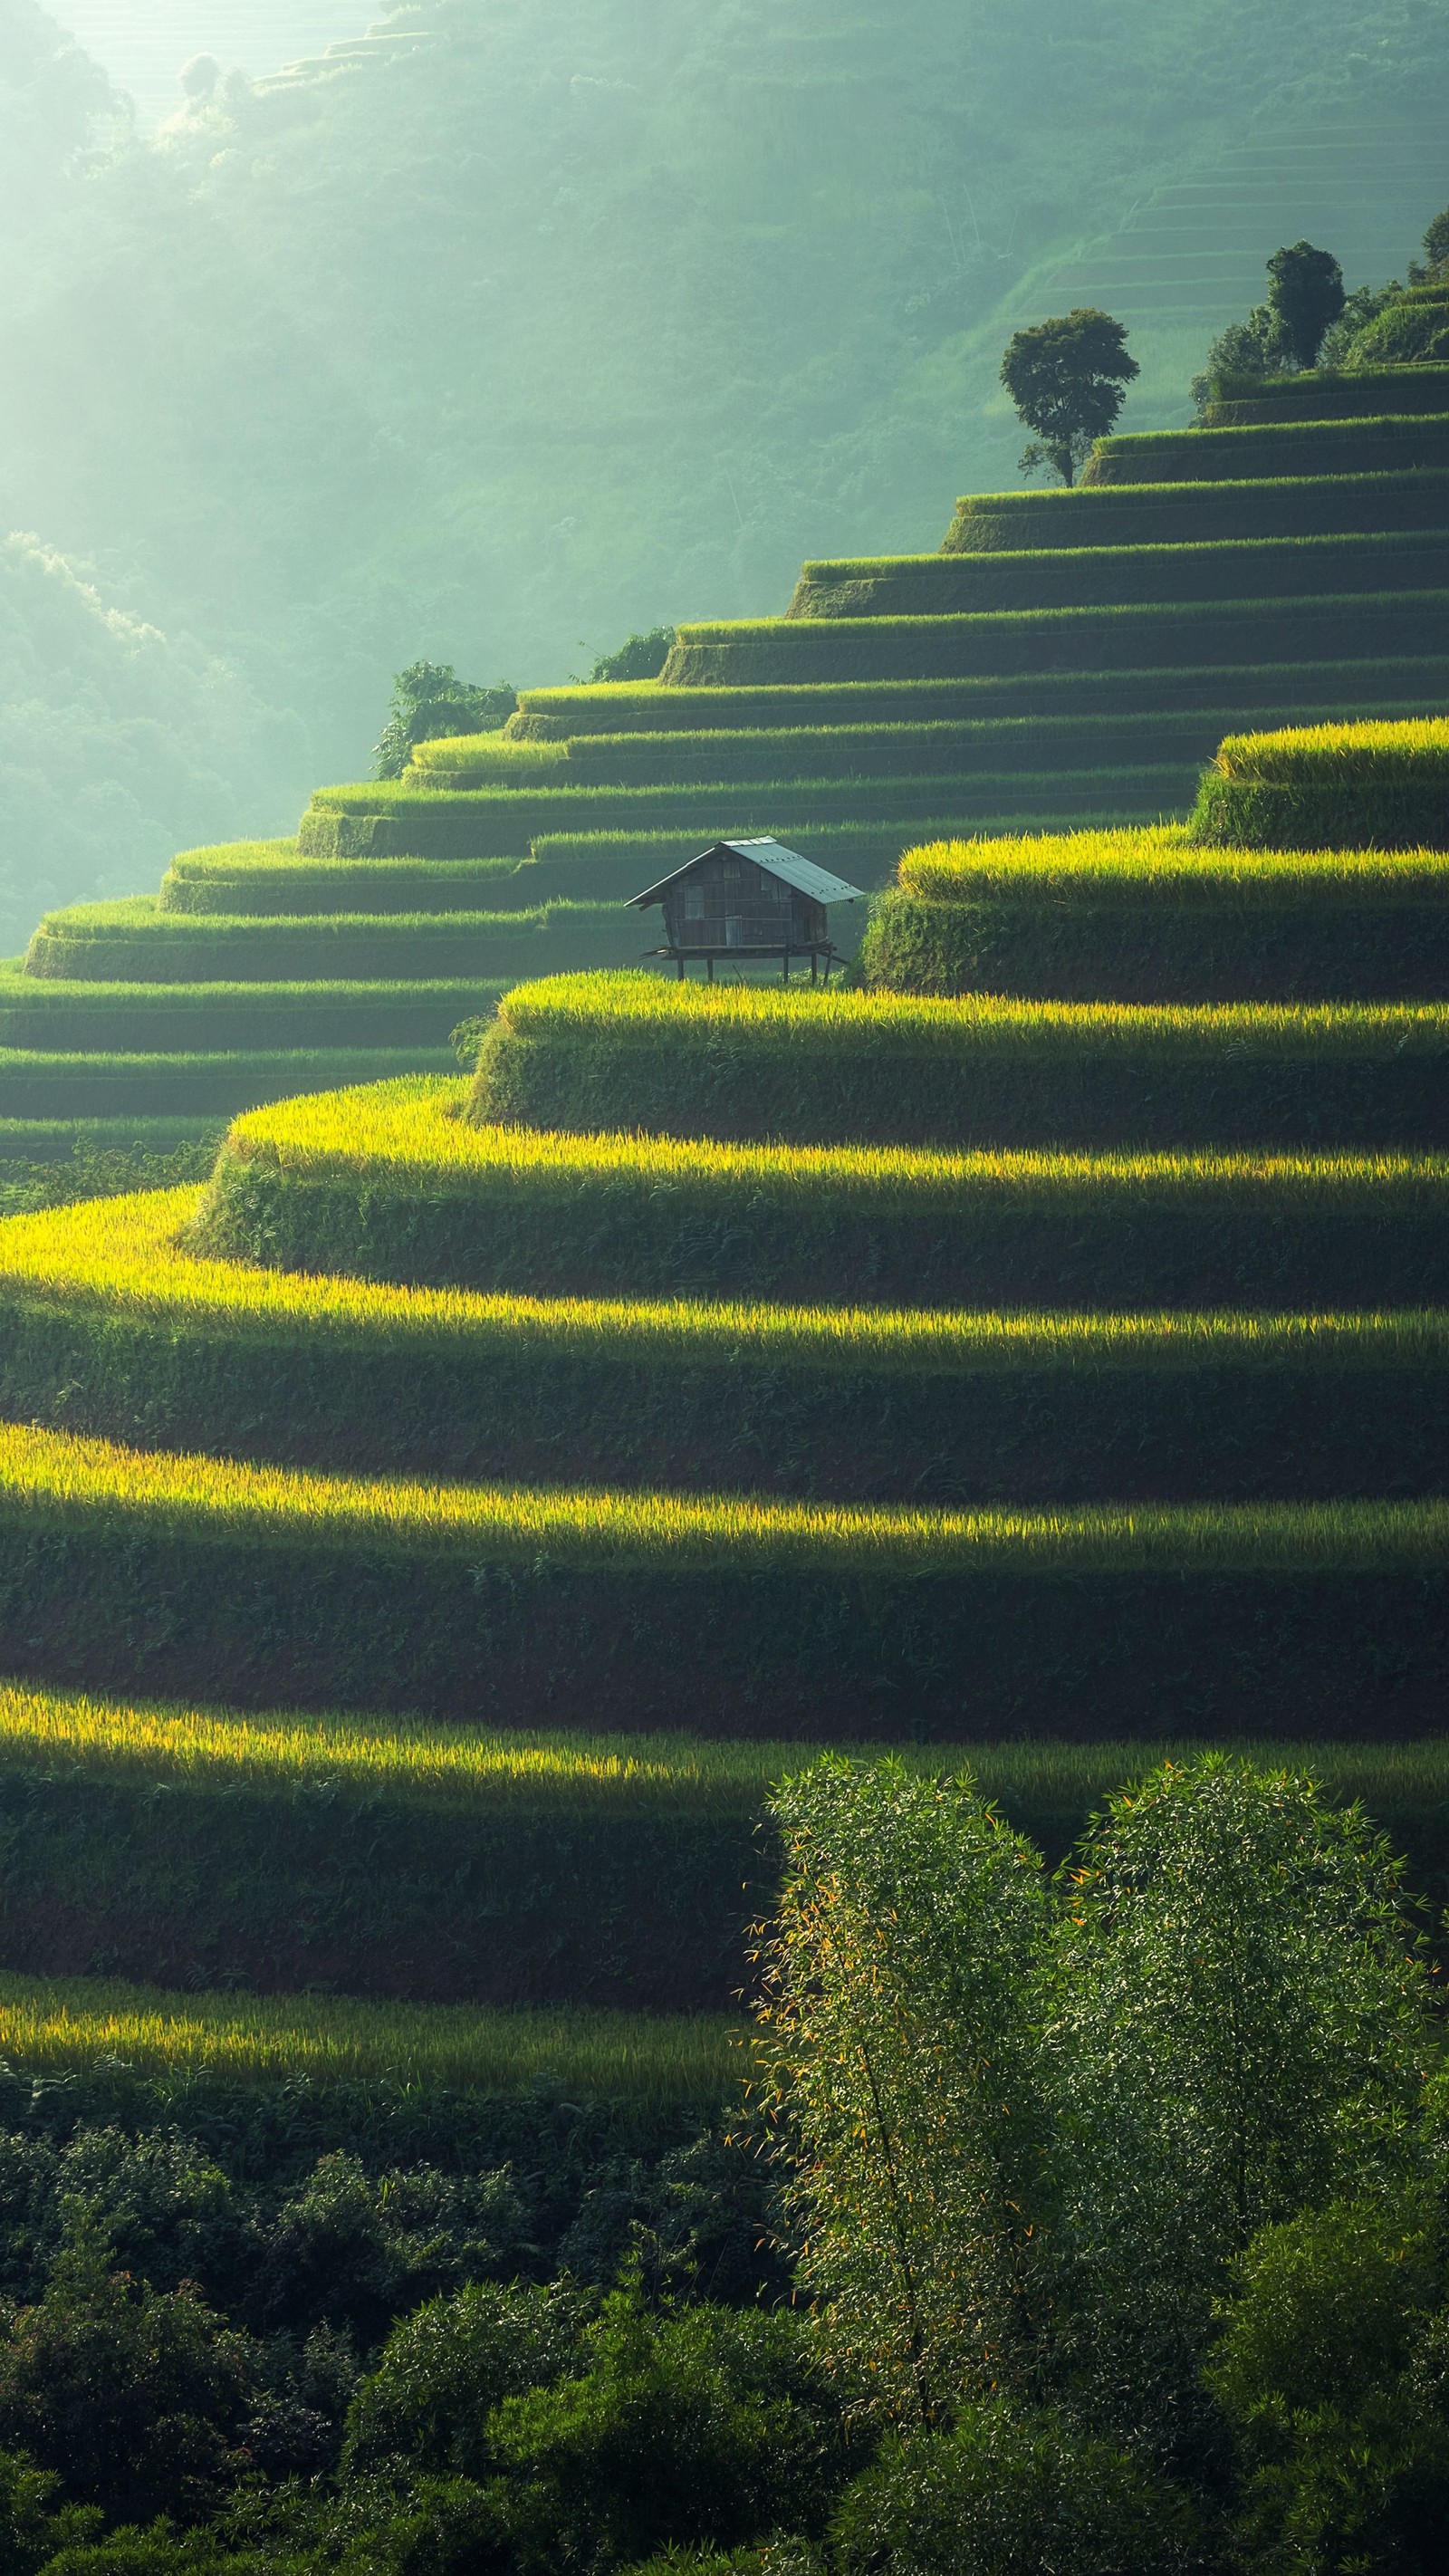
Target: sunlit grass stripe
[122,1256]
[740,1061]
[107,1328]
[63,1481]
[640,1010]
[215,882]
[1166,864]
[645,706]
[413,1129]
[484,1770]
[760,652]
[386,1183]
[1124,513]
[58,2027]
[1281,566]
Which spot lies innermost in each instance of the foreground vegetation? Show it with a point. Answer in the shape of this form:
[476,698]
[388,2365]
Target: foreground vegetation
[909,2322]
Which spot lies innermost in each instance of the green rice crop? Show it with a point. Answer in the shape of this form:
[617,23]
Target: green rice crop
[1153,864]
[28,1142]
[62,1481]
[992,746]
[393,820]
[1276,567]
[105,939]
[73,1015]
[44,1085]
[128,1257]
[1098,514]
[53,2028]
[603,1866]
[1373,444]
[480,1770]
[1370,785]
[108,1326]
[803,1065]
[392,1182]
[220,882]
[646,707]
[761,652]
[1249,401]
[153,1572]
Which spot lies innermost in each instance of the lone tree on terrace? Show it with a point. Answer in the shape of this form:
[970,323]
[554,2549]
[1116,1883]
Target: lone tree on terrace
[1067,379]
[1306,297]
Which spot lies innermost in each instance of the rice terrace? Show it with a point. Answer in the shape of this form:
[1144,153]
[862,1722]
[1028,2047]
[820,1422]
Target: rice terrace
[724,1396]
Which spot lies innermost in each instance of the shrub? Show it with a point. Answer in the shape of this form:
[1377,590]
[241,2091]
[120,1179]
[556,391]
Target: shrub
[425,2410]
[1329,2370]
[704,2425]
[136,2397]
[1009,2494]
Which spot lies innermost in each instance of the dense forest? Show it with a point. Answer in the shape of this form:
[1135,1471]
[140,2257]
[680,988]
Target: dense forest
[554,323]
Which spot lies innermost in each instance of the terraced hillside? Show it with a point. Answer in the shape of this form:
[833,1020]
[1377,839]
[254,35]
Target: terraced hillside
[1068,655]
[1064,1362]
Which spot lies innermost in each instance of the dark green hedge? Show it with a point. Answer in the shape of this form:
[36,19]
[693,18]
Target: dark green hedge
[1158,953]
[1091,1089]
[1020,1239]
[1381,811]
[1210,632]
[1157,514]
[129,1607]
[1029,1429]
[1284,566]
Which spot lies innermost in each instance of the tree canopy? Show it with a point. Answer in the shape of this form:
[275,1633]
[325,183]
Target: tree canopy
[1068,379]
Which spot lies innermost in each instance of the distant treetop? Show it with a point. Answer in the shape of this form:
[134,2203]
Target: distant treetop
[429,700]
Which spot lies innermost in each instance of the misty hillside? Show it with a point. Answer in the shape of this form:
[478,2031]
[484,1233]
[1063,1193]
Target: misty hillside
[511,330]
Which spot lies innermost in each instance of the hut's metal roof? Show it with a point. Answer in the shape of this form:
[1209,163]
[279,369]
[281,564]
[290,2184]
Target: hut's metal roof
[802,874]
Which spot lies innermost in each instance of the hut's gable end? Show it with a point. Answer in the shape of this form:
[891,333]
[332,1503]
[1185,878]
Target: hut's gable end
[747,895]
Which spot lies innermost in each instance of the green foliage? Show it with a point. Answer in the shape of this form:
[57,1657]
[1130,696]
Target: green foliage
[33,2528]
[429,699]
[1305,297]
[1241,2030]
[1009,2493]
[640,657]
[1067,379]
[700,2425]
[136,2397]
[423,2412]
[1330,2371]
[894,2052]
